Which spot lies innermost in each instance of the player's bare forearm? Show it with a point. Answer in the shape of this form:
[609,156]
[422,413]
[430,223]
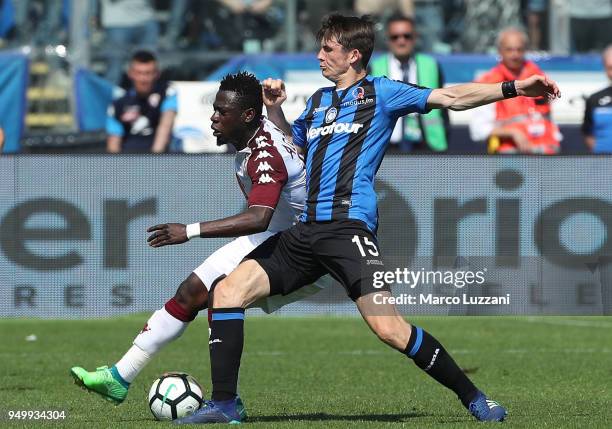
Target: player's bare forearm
[589,141]
[113,144]
[469,95]
[163,132]
[255,219]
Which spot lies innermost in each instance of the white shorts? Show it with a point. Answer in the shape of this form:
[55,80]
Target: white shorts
[225,259]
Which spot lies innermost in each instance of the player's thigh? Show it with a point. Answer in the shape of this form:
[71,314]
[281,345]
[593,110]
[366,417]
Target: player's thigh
[288,261]
[245,285]
[225,259]
[350,253]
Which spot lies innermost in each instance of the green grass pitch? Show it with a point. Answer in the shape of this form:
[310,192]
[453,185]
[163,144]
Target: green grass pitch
[327,372]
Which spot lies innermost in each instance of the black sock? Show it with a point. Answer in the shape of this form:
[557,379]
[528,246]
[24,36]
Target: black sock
[225,345]
[429,355]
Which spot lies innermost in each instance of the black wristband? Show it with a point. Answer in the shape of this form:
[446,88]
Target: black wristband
[509,89]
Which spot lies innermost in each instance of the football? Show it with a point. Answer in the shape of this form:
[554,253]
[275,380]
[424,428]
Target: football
[174,395]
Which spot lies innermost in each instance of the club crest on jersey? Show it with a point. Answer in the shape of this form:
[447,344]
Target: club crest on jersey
[265,178]
[331,115]
[358,93]
[154,99]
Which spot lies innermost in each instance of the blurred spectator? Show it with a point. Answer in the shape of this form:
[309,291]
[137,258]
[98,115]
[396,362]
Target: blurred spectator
[430,18]
[312,12]
[482,21]
[52,30]
[141,121]
[251,23]
[454,23]
[176,23]
[413,132]
[597,125]
[381,11]
[536,14]
[520,124]
[129,24]
[591,24]
[1,139]
[49,17]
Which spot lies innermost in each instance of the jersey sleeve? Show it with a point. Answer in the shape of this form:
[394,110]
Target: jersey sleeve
[113,126]
[401,98]
[587,123]
[268,174]
[298,129]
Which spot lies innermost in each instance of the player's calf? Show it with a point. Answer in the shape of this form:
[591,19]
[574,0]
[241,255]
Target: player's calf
[164,326]
[428,354]
[392,330]
[246,284]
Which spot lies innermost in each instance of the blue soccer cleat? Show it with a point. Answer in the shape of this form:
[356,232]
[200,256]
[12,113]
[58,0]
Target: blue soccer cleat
[486,410]
[231,411]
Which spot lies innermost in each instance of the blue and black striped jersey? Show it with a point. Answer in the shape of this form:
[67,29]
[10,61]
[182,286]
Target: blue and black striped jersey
[345,134]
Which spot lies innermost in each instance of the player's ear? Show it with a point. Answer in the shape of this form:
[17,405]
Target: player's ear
[248,115]
[355,56]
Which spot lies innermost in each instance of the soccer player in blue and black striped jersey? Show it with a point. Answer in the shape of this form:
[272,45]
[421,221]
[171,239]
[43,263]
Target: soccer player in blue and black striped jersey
[343,133]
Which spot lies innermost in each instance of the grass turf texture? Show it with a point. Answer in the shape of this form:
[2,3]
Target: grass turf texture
[327,372]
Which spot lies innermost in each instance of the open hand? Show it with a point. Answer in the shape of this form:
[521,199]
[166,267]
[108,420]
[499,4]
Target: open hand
[538,86]
[166,234]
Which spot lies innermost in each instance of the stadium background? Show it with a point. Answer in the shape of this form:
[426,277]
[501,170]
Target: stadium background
[77,280]
[68,249]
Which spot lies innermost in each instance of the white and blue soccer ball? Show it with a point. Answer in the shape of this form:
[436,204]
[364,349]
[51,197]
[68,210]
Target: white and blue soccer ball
[174,395]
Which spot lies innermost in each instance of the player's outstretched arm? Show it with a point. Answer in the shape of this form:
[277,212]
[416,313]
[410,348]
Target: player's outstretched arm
[470,95]
[274,95]
[255,219]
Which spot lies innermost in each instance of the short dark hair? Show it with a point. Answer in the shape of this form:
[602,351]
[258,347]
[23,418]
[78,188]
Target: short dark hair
[400,18]
[143,57]
[247,89]
[351,32]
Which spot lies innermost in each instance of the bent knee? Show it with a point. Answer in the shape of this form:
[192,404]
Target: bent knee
[192,294]
[228,294]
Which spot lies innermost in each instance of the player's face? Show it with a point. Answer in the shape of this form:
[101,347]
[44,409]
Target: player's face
[607,60]
[143,76]
[400,39]
[512,51]
[227,118]
[334,60]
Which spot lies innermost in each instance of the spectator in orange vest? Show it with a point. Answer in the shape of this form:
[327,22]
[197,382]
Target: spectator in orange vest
[516,125]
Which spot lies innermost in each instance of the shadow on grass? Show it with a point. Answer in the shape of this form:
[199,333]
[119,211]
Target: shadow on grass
[336,417]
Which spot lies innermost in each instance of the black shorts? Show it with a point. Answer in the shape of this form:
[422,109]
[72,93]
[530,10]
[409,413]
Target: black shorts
[298,256]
